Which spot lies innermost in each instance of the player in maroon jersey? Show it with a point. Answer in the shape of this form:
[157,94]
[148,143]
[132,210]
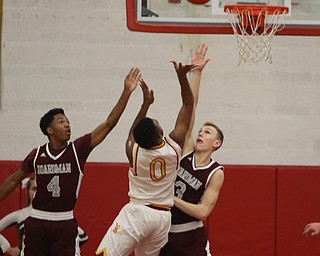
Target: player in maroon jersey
[18,218]
[198,181]
[58,166]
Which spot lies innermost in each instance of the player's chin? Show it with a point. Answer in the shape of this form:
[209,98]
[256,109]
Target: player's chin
[198,145]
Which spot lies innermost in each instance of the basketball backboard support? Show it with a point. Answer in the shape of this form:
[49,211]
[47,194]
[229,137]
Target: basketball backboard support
[181,16]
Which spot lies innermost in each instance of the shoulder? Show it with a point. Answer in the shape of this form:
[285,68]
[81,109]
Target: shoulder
[173,143]
[216,177]
[83,141]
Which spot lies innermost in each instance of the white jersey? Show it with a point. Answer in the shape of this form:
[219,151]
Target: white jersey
[143,224]
[16,218]
[4,245]
[151,179]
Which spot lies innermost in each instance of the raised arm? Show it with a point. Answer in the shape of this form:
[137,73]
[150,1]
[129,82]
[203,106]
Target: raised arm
[130,84]
[198,58]
[148,99]
[11,182]
[184,117]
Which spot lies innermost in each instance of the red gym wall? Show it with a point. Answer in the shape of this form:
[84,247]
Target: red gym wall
[262,210]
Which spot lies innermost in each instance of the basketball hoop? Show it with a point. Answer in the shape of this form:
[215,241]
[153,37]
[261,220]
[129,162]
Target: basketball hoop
[254,26]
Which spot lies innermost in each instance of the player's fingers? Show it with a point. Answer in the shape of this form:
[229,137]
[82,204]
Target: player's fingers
[175,65]
[137,73]
[206,61]
[144,86]
[204,50]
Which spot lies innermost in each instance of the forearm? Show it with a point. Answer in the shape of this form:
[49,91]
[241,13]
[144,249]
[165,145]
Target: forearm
[195,210]
[8,186]
[186,92]
[141,114]
[195,85]
[118,109]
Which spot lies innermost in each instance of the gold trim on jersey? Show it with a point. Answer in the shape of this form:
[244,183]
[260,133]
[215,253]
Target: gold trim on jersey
[176,150]
[135,157]
[158,146]
[153,163]
[103,251]
[160,207]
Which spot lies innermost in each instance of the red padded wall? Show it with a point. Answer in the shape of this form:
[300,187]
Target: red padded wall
[261,210]
[12,202]
[243,220]
[298,204]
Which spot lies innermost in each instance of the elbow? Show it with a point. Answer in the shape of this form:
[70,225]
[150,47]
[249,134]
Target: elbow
[203,217]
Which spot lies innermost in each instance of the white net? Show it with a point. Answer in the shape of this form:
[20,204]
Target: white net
[254,28]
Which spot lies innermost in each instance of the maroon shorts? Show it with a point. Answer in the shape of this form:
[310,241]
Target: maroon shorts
[188,243]
[50,238]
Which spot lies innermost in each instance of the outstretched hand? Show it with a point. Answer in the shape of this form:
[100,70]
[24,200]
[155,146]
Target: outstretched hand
[198,57]
[182,69]
[148,95]
[132,79]
[312,229]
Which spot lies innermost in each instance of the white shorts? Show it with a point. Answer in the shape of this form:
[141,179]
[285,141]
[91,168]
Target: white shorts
[137,228]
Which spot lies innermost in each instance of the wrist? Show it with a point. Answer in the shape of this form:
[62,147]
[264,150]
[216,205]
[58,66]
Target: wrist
[197,71]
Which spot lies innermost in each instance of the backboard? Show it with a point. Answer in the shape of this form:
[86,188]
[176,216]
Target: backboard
[181,16]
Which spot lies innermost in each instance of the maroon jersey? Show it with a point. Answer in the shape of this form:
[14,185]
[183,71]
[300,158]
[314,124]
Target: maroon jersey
[58,174]
[190,185]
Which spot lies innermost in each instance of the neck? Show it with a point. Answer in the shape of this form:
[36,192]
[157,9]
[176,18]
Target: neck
[202,158]
[55,145]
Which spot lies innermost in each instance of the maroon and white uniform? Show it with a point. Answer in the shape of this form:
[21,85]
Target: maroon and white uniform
[58,176]
[190,185]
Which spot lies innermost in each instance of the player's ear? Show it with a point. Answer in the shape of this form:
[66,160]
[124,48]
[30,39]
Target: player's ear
[49,130]
[217,144]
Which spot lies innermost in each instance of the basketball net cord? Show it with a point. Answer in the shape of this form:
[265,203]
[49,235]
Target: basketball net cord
[254,33]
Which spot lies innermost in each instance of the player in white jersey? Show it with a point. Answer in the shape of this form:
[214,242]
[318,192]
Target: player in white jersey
[143,224]
[142,189]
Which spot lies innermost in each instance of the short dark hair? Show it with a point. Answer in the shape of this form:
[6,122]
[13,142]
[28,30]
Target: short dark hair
[145,133]
[48,118]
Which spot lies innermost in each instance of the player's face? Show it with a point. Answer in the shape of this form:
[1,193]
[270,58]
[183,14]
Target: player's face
[32,190]
[207,139]
[60,128]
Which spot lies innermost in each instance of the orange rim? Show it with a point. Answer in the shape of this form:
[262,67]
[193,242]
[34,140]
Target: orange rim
[256,8]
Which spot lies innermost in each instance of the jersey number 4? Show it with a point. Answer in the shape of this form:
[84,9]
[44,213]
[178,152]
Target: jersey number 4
[53,186]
